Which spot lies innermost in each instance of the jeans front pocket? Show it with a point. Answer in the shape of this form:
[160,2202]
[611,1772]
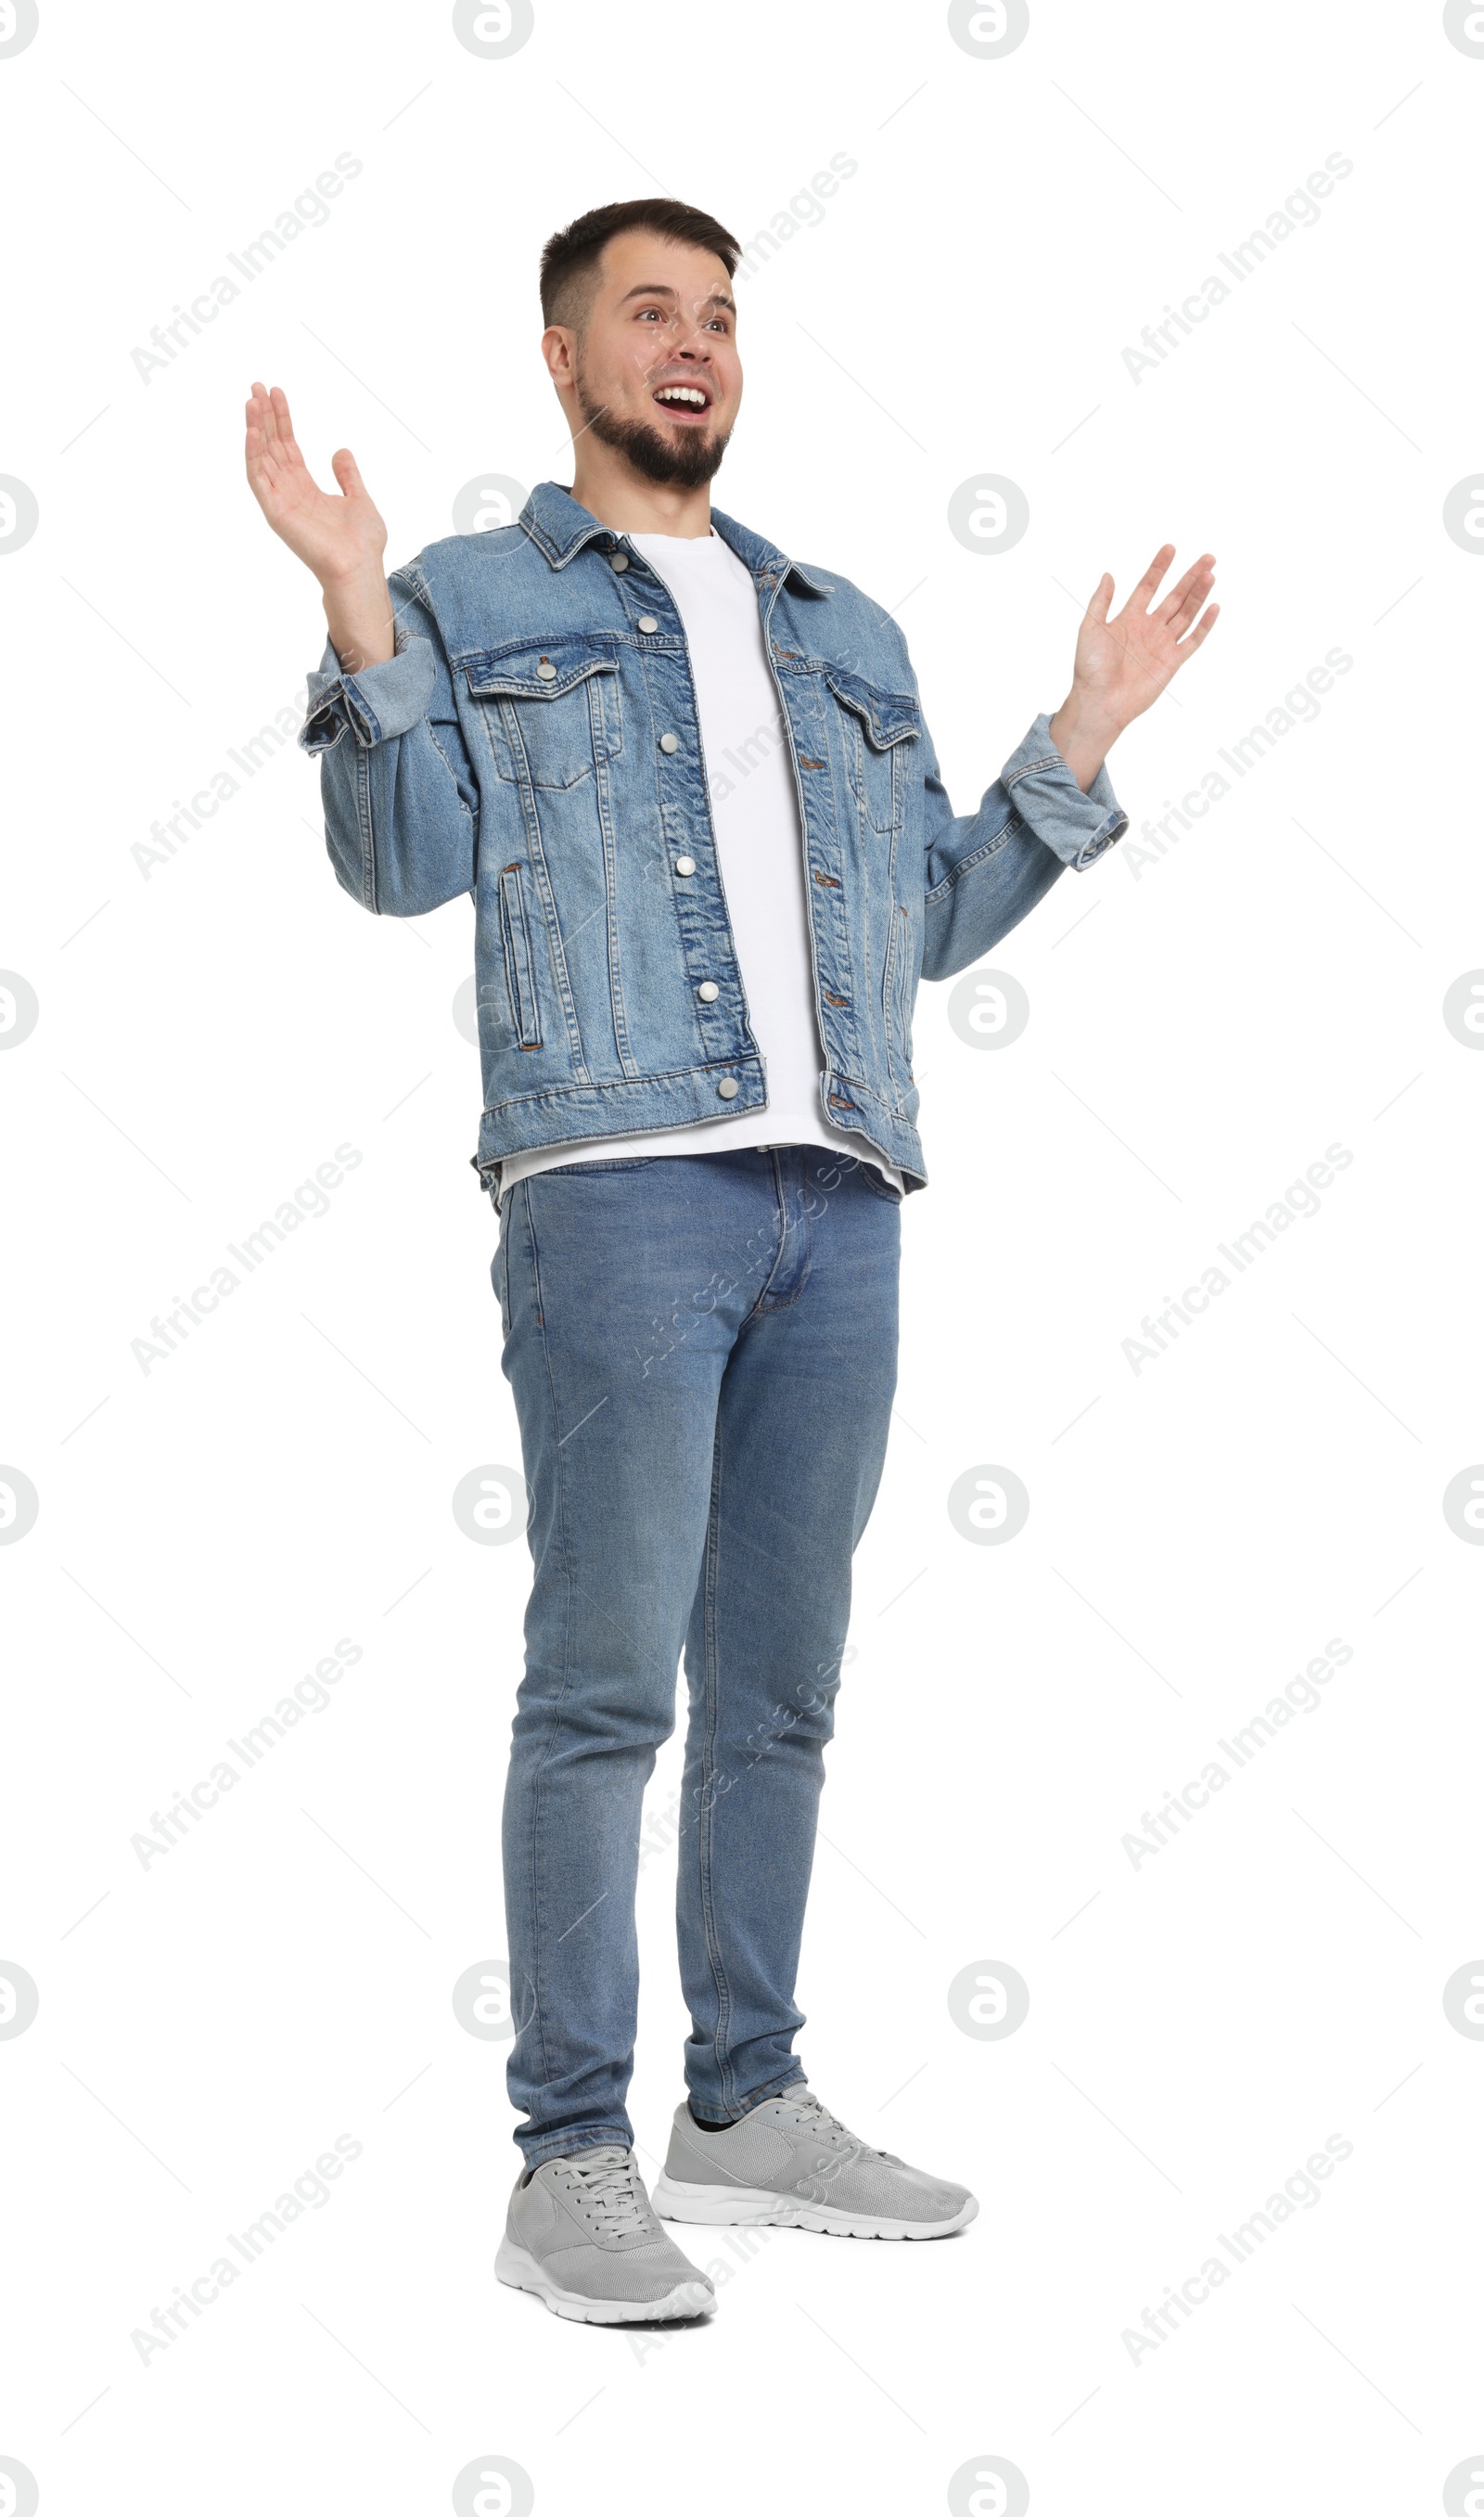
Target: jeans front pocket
[499,1270]
[878,1184]
[613,1163]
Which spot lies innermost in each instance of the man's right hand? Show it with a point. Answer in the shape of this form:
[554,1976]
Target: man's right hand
[341,539]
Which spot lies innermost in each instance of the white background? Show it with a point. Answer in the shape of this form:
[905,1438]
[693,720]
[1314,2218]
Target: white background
[1201,1027]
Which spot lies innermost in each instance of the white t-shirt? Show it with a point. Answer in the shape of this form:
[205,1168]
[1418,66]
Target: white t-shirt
[754,812]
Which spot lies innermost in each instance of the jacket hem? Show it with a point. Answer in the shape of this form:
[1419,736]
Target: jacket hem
[652,1105]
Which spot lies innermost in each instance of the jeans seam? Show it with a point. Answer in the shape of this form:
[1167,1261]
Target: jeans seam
[705,1837]
[537,1807]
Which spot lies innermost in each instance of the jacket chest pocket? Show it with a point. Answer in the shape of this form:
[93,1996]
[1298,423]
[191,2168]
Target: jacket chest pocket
[552,712]
[878,730]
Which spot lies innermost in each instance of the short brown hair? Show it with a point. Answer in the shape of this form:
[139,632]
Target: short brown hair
[570,259]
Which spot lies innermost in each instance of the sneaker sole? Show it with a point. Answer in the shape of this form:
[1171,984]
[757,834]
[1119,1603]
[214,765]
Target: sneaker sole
[521,2271]
[752,2207]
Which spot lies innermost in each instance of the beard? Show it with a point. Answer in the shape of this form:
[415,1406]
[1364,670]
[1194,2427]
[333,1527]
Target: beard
[685,461]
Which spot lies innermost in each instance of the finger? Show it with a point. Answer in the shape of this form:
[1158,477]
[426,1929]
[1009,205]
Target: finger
[1179,619]
[284,442]
[1179,594]
[1200,632]
[277,427]
[263,416]
[1102,597]
[1150,579]
[256,440]
[347,472]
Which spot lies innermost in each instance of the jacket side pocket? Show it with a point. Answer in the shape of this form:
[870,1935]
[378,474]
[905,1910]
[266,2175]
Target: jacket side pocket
[520,977]
[904,987]
[896,999]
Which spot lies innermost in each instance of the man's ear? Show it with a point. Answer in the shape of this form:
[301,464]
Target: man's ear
[558,349]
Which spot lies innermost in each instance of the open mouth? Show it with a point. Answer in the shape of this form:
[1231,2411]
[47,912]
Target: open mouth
[689,403]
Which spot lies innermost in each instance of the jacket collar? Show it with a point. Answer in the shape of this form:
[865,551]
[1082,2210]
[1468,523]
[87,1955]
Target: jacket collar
[552,520]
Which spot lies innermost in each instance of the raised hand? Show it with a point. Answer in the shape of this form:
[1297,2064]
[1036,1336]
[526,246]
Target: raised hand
[1125,661]
[342,539]
[334,537]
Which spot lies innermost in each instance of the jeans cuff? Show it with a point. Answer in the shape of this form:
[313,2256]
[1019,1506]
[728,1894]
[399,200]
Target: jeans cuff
[755,2098]
[558,2146]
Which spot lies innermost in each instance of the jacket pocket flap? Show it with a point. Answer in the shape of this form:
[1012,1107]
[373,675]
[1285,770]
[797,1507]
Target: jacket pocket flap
[888,716]
[526,670]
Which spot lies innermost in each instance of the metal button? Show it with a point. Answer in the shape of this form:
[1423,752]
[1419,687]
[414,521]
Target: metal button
[647,621]
[708,992]
[670,742]
[728,1087]
[618,561]
[545,673]
[685,865]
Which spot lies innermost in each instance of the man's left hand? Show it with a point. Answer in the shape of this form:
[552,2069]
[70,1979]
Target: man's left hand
[1123,663]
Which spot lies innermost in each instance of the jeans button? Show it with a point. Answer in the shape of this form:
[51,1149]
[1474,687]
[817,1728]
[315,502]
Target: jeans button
[647,621]
[708,992]
[618,562]
[685,865]
[728,1087]
[670,742]
[545,673]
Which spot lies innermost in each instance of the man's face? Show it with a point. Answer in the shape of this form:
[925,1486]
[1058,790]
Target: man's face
[655,371]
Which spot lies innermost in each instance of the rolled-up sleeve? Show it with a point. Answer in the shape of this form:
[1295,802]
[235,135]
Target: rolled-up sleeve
[986,871]
[400,798]
[372,706]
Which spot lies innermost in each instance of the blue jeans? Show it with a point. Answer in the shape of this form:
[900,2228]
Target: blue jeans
[703,1349]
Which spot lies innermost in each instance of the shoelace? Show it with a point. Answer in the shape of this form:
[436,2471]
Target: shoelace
[609,2179]
[816,2115]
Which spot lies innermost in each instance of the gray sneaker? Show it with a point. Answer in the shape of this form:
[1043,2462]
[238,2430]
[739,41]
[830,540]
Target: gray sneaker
[790,2164]
[583,2236]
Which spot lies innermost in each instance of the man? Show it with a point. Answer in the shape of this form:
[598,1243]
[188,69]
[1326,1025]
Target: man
[688,785]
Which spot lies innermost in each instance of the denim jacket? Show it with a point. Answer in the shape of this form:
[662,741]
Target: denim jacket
[535,741]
